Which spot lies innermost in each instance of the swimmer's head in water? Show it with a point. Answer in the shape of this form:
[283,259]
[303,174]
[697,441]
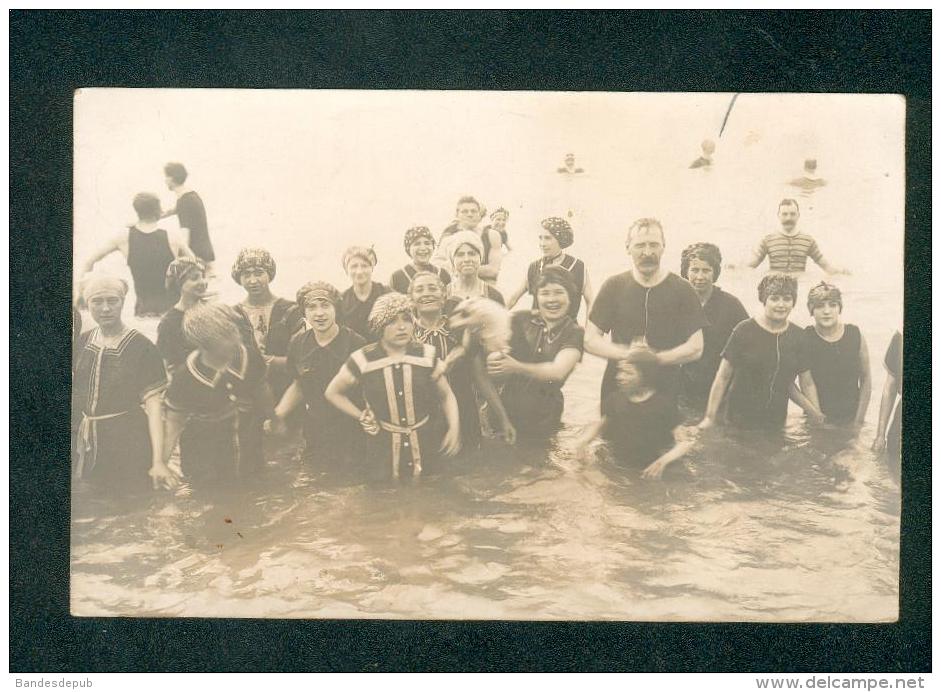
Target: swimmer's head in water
[810,165]
[788,213]
[637,373]
[708,147]
[777,284]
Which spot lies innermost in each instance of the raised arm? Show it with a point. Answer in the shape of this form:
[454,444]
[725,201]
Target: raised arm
[113,245]
[758,255]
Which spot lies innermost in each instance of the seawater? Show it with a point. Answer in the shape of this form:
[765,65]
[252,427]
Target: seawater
[801,528]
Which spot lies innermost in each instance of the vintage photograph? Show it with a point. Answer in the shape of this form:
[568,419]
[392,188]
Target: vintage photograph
[487,355]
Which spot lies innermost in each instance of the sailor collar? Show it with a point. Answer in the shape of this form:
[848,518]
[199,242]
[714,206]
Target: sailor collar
[208,377]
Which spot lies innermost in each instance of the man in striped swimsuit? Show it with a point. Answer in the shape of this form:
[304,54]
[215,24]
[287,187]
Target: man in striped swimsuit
[787,250]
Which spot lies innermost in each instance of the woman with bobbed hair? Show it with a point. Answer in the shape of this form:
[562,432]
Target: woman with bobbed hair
[701,264]
[763,357]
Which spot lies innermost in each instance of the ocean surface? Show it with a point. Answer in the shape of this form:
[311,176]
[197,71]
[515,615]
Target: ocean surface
[804,528]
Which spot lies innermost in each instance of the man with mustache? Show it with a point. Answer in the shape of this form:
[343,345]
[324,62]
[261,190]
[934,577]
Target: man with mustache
[646,309]
[787,250]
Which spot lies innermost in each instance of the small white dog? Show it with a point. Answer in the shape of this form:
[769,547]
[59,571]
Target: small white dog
[485,321]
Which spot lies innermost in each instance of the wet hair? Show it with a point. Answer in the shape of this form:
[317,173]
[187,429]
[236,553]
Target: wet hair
[643,224]
[705,252]
[776,283]
[821,293]
[789,202]
[147,206]
[467,199]
[556,275]
[175,172]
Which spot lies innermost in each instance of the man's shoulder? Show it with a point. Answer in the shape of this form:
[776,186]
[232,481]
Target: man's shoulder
[621,280]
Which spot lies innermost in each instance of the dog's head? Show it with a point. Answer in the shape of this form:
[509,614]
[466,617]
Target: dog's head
[486,320]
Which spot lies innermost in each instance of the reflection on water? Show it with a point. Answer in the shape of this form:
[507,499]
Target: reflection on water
[803,528]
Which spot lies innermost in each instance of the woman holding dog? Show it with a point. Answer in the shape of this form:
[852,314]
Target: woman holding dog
[545,346]
[462,365]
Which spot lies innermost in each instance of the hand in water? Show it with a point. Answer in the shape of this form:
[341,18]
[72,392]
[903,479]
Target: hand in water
[162,476]
[451,444]
[705,424]
[878,445]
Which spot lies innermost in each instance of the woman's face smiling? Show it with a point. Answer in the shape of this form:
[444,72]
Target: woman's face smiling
[421,249]
[553,301]
[827,313]
[194,284]
[359,271]
[427,293]
[778,306]
[466,260]
[399,332]
[321,314]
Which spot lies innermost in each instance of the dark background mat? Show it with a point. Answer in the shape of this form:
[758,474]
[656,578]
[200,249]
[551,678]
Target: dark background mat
[54,53]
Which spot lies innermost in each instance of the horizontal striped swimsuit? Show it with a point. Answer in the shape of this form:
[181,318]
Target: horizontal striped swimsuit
[788,253]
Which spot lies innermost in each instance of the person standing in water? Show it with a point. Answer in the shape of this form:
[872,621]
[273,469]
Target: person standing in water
[648,305]
[314,358]
[117,396]
[274,320]
[570,168]
[701,264]
[186,282]
[464,368]
[190,212]
[216,403]
[545,346]
[358,300]
[149,251]
[469,214]
[810,181]
[639,423]
[705,161]
[466,252]
[404,402]
[555,236]
[839,359]
[419,245]
[763,357]
[498,221]
[787,250]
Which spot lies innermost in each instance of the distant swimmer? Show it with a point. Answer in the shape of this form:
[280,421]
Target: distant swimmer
[704,161]
[190,212]
[570,167]
[810,181]
[787,250]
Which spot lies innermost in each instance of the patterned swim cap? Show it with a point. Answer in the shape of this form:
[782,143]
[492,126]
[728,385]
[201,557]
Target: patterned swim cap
[317,289]
[705,252]
[821,293]
[561,229]
[253,257]
[388,306]
[414,233]
[367,254]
